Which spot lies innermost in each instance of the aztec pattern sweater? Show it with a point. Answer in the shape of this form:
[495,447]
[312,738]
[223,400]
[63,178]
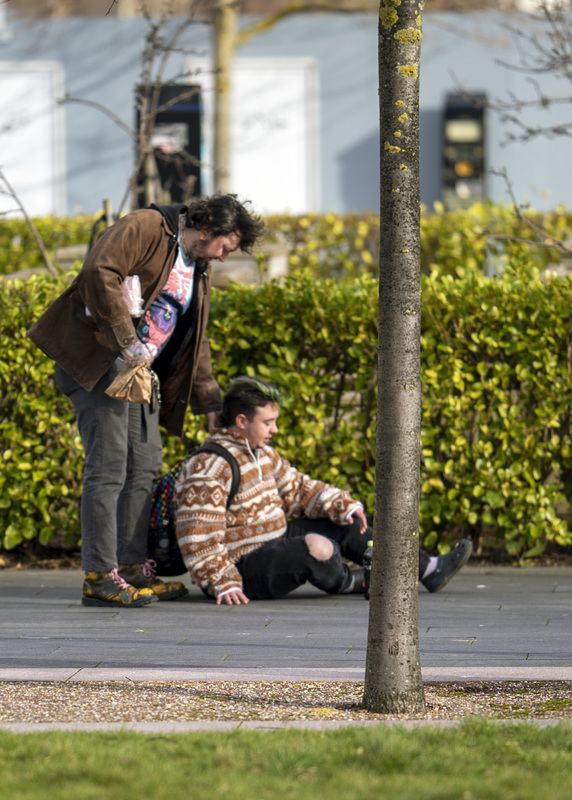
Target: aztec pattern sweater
[213,539]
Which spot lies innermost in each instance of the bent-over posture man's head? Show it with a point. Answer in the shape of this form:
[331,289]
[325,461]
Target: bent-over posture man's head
[218,225]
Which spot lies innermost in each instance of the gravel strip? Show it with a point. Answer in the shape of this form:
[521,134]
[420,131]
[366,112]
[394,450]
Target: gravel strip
[146,701]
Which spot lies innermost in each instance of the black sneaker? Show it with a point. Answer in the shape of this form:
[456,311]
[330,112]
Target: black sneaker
[356,583]
[448,565]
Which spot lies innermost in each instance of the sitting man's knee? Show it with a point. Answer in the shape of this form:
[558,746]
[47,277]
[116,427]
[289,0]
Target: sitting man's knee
[320,547]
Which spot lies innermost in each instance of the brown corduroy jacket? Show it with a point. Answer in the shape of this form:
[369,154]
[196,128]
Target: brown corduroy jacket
[143,243]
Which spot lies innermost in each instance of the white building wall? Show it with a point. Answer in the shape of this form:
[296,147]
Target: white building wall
[100,59]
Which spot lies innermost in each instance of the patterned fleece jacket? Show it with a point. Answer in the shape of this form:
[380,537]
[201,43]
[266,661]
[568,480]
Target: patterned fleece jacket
[213,539]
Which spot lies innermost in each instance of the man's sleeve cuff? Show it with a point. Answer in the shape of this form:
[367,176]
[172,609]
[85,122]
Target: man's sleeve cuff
[353,509]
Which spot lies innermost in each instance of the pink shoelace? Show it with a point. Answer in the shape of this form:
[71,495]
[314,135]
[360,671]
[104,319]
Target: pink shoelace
[149,568]
[118,579]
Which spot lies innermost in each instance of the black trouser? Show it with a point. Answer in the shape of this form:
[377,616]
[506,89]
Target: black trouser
[280,566]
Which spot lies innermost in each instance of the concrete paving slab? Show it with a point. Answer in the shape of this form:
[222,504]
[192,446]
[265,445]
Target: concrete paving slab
[488,621]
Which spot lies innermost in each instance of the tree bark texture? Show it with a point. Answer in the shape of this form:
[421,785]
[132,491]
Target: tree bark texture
[393,682]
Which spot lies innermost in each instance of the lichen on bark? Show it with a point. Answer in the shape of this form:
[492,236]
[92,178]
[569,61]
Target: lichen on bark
[408,36]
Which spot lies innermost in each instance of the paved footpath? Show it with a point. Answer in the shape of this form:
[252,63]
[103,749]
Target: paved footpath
[489,623]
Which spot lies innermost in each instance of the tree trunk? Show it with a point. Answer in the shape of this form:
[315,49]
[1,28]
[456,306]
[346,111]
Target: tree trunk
[225,25]
[393,682]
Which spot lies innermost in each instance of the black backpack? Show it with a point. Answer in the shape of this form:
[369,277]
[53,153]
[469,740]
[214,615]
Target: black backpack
[162,545]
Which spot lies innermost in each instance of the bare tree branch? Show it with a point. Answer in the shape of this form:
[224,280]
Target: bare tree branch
[300,7]
[543,50]
[67,98]
[11,192]
[543,239]
[162,42]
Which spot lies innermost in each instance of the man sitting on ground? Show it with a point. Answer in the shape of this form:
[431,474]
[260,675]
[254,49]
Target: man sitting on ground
[282,528]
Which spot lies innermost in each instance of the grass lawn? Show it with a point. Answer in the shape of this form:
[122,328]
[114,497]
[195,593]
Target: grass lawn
[476,760]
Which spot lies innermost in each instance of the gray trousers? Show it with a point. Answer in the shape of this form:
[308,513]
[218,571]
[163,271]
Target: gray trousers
[123,455]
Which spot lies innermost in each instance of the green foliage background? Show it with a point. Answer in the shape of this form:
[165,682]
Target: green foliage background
[497,372]
[452,242]
[18,248]
[340,246]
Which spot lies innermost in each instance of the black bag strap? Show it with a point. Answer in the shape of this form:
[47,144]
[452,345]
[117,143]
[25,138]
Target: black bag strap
[219,449]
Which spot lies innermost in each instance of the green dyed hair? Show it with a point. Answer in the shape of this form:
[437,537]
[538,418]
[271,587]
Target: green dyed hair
[244,395]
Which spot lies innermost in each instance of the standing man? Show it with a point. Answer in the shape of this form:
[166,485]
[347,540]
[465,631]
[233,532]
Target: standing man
[282,528]
[142,295]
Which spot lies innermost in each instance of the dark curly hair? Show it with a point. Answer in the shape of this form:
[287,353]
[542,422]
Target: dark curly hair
[223,214]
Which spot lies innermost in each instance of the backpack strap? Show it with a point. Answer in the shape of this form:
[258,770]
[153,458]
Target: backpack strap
[219,449]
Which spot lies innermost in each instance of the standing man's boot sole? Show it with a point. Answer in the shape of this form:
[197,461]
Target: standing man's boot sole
[94,601]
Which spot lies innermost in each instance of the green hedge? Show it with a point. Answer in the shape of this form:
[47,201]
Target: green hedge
[331,245]
[496,438]
[497,377]
[18,248]
[40,450]
[452,242]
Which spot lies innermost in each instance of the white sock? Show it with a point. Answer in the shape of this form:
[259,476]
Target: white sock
[431,566]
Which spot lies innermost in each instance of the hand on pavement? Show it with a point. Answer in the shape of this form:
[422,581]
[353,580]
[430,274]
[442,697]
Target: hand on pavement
[234,597]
